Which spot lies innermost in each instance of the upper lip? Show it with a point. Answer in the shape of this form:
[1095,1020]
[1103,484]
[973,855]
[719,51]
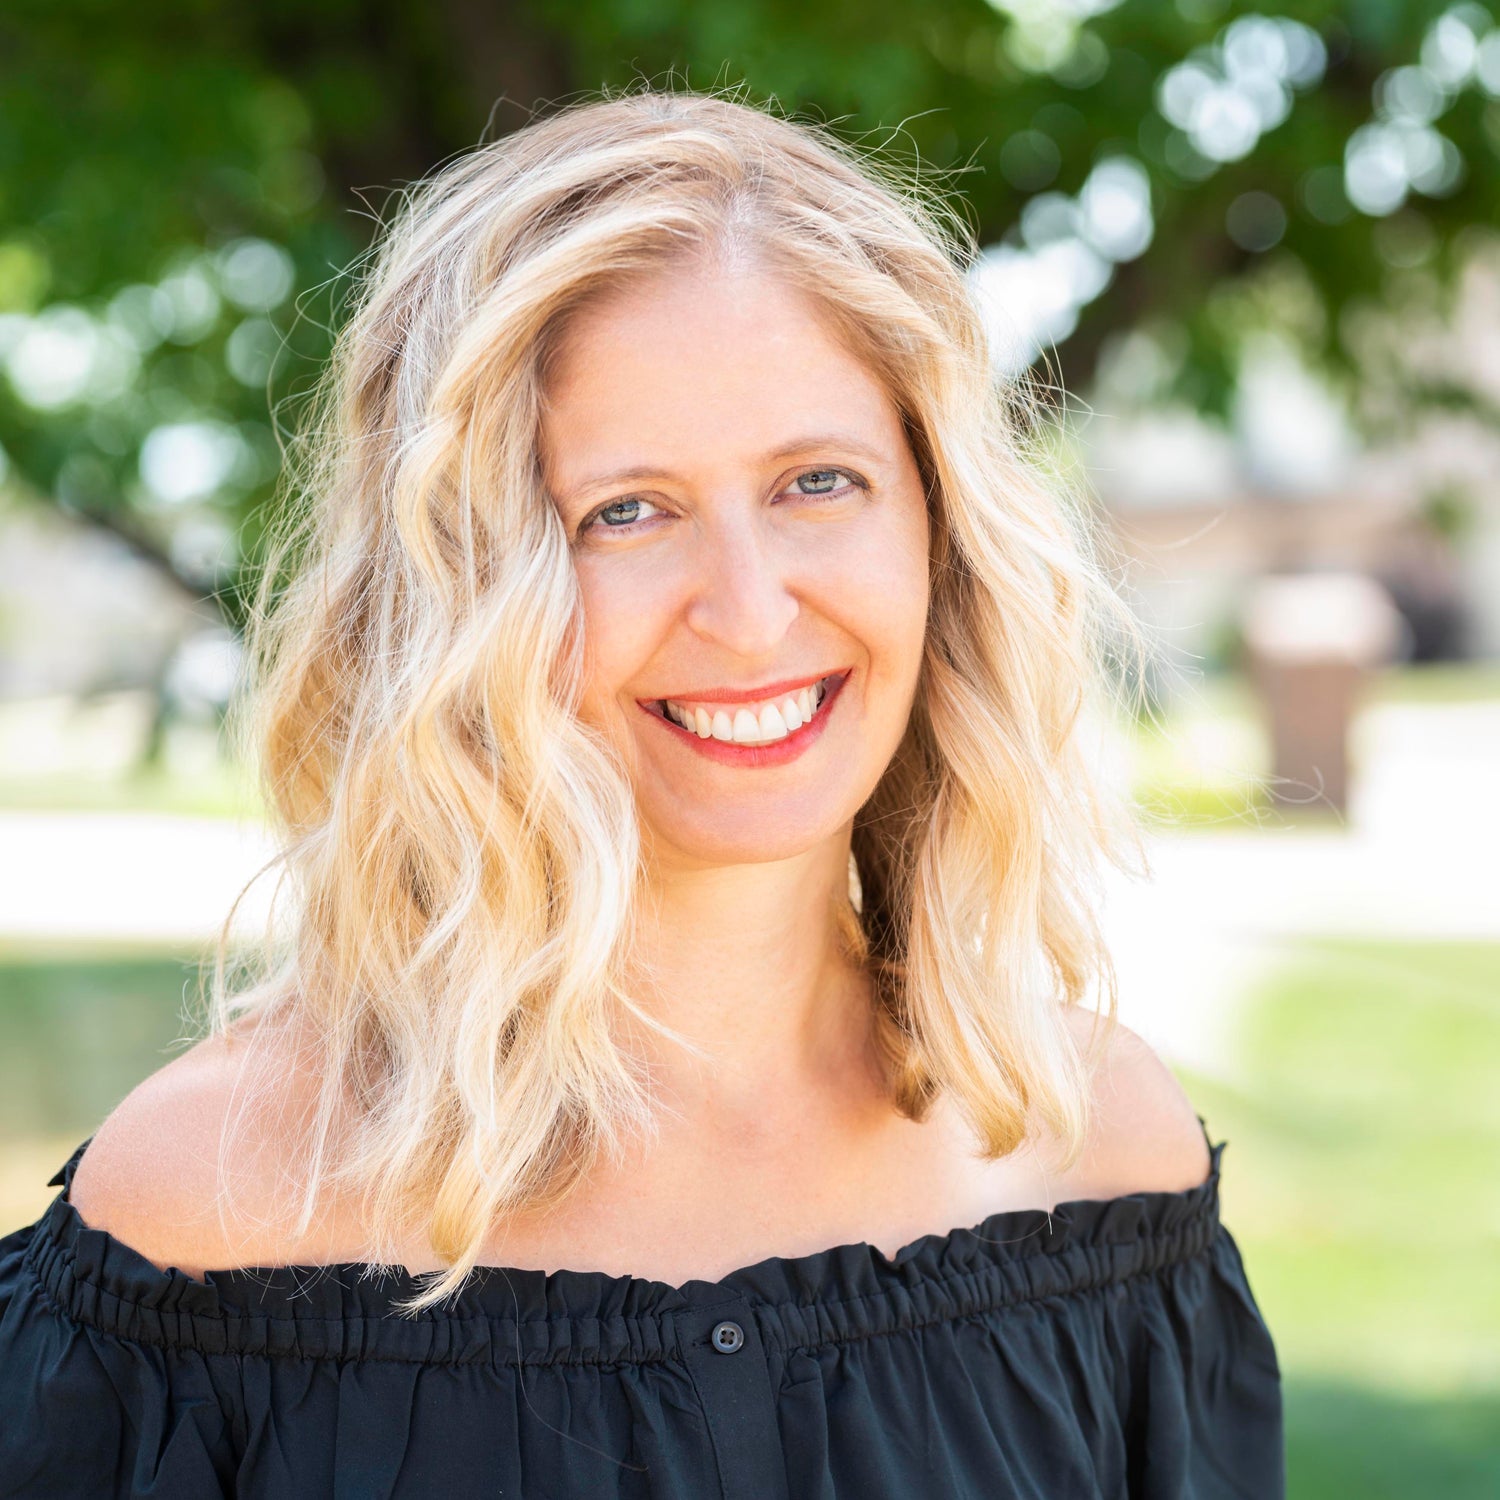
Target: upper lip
[746,695]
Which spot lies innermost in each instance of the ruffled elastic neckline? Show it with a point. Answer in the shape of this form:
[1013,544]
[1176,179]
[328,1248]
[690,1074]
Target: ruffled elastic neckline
[347,1310]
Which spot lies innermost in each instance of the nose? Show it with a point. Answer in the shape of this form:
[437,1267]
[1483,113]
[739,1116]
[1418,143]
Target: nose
[742,594]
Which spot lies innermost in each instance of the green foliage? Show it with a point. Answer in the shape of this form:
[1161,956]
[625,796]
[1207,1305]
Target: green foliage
[149,146]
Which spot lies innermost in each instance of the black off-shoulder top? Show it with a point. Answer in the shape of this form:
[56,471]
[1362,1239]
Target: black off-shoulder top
[1109,1349]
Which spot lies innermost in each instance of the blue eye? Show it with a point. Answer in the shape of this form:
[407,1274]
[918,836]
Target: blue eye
[823,480]
[821,475]
[616,505]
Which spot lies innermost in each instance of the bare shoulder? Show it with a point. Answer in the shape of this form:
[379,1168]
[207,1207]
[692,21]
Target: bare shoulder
[1146,1136]
[150,1176]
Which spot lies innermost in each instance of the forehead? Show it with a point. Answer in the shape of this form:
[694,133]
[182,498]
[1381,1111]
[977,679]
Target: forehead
[701,358]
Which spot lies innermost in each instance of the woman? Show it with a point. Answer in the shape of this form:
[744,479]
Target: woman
[674,712]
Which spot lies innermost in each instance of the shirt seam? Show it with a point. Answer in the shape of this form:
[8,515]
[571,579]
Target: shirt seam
[1174,1257]
[1144,1274]
[178,1346]
[1179,1233]
[666,1357]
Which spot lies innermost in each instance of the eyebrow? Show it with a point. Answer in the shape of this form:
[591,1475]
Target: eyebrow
[629,475]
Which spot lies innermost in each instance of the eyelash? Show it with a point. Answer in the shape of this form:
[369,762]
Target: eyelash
[587,524]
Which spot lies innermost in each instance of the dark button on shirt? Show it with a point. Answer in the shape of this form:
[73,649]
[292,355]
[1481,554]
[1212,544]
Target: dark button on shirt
[728,1337]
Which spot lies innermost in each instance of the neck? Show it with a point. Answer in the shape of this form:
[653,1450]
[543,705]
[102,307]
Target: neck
[744,961]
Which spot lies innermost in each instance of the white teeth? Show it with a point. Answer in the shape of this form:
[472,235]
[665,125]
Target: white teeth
[775,721]
[747,727]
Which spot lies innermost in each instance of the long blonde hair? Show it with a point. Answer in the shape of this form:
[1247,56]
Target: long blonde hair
[463,852]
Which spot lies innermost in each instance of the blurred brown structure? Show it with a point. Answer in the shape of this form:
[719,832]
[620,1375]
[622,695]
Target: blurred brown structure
[1312,641]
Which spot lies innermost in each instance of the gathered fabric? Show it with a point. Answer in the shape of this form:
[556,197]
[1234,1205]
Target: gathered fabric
[1110,1349]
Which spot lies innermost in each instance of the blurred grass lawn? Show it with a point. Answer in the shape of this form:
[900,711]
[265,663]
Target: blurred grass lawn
[1361,1184]
[1359,1181]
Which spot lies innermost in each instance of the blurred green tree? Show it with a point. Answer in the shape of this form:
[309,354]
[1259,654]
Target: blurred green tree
[183,182]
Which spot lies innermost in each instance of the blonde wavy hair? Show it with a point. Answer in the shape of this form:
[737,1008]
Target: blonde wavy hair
[463,852]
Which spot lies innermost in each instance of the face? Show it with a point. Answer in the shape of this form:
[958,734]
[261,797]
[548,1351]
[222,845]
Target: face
[746,516]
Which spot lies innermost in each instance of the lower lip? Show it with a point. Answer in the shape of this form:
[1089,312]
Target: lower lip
[748,756]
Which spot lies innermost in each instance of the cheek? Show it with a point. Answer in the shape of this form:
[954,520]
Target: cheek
[623,622]
[890,586]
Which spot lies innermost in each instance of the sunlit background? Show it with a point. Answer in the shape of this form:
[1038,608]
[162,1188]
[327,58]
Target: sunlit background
[1250,258]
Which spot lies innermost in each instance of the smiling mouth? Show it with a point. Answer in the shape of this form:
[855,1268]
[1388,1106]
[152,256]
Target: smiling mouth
[733,724]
